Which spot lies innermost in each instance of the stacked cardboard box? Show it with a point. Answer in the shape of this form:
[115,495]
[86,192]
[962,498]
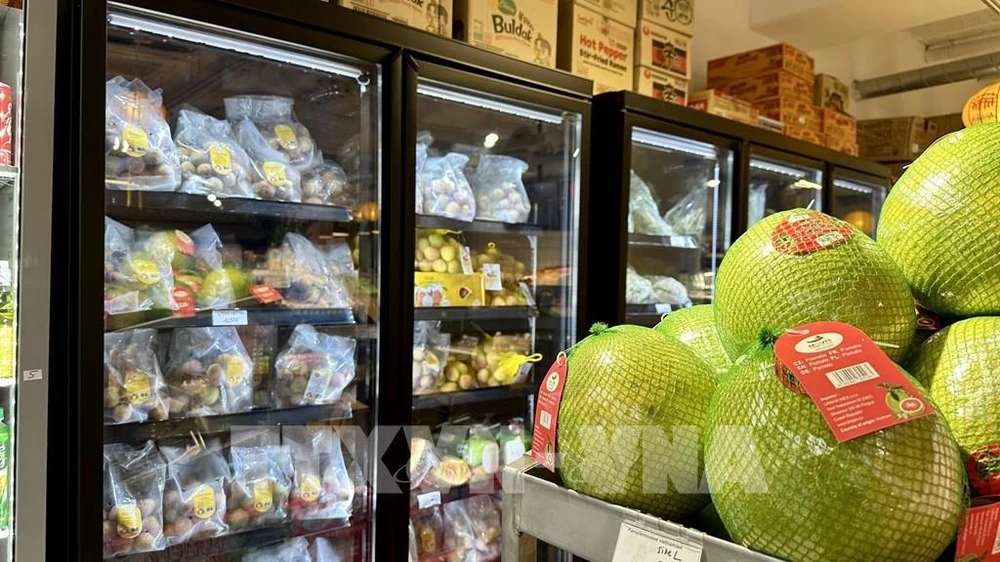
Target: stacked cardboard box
[839,127]
[526,29]
[899,139]
[711,101]
[663,49]
[433,15]
[778,81]
[595,41]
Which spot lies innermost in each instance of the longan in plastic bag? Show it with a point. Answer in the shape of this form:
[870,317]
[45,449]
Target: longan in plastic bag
[139,152]
[209,373]
[447,192]
[322,488]
[274,118]
[133,499]
[134,389]
[273,176]
[194,503]
[211,160]
[313,368]
[327,184]
[500,195]
[261,482]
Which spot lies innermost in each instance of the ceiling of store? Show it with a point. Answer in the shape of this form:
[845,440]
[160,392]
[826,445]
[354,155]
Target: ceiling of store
[819,24]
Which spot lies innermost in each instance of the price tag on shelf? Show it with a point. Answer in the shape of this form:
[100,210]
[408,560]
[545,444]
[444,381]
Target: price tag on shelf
[681,242]
[229,318]
[662,308]
[639,544]
[430,499]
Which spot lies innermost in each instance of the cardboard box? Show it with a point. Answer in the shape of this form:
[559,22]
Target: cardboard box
[769,86]
[761,61]
[842,145]
[945,124]
[660,85]
[888,140]
[621,11]
[663,48]
[595,47]
[839,126]
[769,124]
[792,111]
[678,16]
[447,289]
[525,30]
[807,135]
[722,105]
[831,93]
[430,15]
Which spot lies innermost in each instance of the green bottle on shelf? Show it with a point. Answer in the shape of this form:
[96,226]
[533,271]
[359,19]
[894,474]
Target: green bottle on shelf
[4,476]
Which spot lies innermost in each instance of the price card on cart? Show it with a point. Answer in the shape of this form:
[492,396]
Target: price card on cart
[639,544]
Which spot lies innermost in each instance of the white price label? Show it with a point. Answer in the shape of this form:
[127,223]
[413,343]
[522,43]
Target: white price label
[229,318]
[430,499]
[681,242]
[638,544]
[662,308]
[491,277]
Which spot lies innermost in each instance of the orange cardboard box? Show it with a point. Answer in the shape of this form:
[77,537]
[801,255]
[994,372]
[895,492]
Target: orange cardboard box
[768,86]
[805,134]
[839,126]
[761,61]
[841,145]
[831,93]
[792,111]
[895,139]
[711,101]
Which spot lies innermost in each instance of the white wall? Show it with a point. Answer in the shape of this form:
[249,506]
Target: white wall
[721,27]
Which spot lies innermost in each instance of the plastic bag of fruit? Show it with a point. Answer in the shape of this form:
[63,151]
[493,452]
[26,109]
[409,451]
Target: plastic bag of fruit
[326,550]
[440,251]
[668,290]
[424,140]
[303,272]
[428,526]
[459,533]
[133,499]
[423,460]
[261,343]
[194,503]
[688,215]
[340,261]
[503,359]
[139,152]
[313,368]
[644,215]
[209,373]
[500,195]
[291,550]
[322,488]
[326,183]
[274,118]
[447,192]
[261,480]
[430,355]
[213,283]
[211,160]
[482,453]
[134,279]
[485,521]
[134,389]
[273,175]
[638,289]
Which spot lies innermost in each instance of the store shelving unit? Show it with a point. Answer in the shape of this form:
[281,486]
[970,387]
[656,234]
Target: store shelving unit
[476,396]
[187,207]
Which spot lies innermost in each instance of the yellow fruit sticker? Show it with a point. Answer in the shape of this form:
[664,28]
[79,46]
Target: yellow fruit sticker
[221,159]
[309,488]
[275,173]
[146,272]
[129,521]
[319,382]
[137,387]
[204,502]
[263,495]
[286,137]
[234,371]
[135,141]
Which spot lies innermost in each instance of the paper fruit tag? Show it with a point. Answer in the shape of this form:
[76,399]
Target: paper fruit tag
[492,277]
[543,441]
[184,301]
[266,294]
[639,544]
[855,385]
[977,534]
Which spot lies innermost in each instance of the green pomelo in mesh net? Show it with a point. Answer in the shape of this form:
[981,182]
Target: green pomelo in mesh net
[695,328]
[783,485]
[798,266]
[960,366]
[941,222]
[631,420]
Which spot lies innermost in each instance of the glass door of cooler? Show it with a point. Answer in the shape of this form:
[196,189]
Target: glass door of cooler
[778,182]
[241,257]
[495,260]
[679,222]
[857,198]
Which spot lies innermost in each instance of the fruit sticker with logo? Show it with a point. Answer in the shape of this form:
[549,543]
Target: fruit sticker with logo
[783,485]
[799,266]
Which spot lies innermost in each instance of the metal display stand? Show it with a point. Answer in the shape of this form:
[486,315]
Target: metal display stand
[536,506]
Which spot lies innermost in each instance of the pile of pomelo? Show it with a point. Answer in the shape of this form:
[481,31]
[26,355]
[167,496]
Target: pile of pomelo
[666,420]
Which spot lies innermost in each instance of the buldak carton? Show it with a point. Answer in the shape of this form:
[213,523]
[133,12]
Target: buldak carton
[660,85]
[674,14]
[523,29]
[595,47]
[663,49]
[430,15]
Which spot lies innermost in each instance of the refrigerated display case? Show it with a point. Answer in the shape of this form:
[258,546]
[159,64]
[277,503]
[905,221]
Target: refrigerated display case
[857,198]
[779,182]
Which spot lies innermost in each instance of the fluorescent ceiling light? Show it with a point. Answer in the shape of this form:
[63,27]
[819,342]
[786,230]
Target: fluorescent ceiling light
[675,144]
[446,94]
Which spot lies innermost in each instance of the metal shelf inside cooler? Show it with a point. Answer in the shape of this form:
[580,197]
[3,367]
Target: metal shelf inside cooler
[676,241]
[489,394]
[263,314]
[428,221]
[474,313]
[186,207]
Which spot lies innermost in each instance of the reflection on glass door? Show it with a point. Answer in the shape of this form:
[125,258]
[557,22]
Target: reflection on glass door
[776,185]
[494,296]
[240,257]
[858,201]
[678,223]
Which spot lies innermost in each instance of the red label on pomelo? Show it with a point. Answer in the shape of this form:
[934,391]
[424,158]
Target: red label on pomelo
[266,294]
[806,232]
[855,385]
[543,440]
[977,534]
[184,301]
[983,467]
[184,243]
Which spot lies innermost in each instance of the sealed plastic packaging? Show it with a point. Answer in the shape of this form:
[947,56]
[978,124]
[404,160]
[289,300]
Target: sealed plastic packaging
[292,550]
[261,482]
[139,152]
[327,183]
[273,176]
[340,261]
[211,160]
[302,271]
[430,355]
[688,216]
[638,289]
[500,195]
[134,389]
[428,526]
[643,213]
[313,368]
[275,120]
[214,284]
[209,373]
[423,460]
[325,550]
[133,499]
[134,279]
[194,503]
[261,342]
[349,155]
[440,251]
[668,290]
[322,488]
[447,192]
[424,140]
